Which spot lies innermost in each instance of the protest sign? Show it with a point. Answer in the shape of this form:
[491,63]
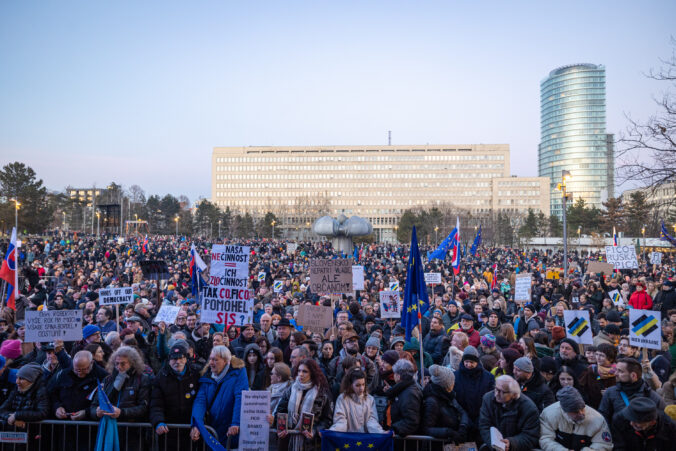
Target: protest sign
[432,278]
[228,262]
[227,306]
[578,326]
[357,277]
[315,317]
[390,307]
[167,314]
[645,329]
[656,258]
[522,287]
[616,297]
[331,276]
[254,428]
[261,276]
[50,325]
[291,248]
[394,286]
[622,257]
[277,286]
[13,437]
[599,267]
[111,296]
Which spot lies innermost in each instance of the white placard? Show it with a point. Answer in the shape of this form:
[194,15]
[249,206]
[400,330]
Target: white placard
[50,325]
[227,306]
[578,326]
[291,248]
[616,297]
[394,286]
[622,257]
[357,277]
[432,278]
[18,243]
[277,286]
[522,287]
[390,305]
[261,276]
[255,429]
[234,259]
[112,296]
[645,329]
[167,314]
[656,258]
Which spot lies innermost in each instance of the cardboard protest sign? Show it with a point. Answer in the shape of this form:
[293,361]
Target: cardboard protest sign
[315,317]
[600,267]
[432,278]
[622,257]
[331,276]
[578,326]
[227,262]
[111,296]
[50,325]
[645,329]
[616,297]
[390,306]
[357,277]
[394,286]
[254,428]
[167,314]
[291,248]
[656,258]
[522,287]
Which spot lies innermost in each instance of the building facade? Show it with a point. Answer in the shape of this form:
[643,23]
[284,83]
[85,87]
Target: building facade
[299,184]
[573,134]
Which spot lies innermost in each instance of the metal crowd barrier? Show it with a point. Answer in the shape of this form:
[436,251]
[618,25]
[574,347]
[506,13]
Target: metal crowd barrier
[58,435]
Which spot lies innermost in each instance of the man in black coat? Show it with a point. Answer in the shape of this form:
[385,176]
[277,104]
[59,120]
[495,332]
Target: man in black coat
[569,355]
[70,390]
[436,343]
[532,383]
[246,338]
[173,393]
[405,399]
[641,426]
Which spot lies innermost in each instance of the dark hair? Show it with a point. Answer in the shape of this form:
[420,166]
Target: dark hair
[352,375]
[298,337]
[93,347]
[530,345]
[279,355]
[311,344]
[555,385]
[107,312]
[609,351]
[316,375]
[263,339]
[633,366]
[349,362]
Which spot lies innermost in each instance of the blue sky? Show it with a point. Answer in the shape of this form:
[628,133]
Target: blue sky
[140,92]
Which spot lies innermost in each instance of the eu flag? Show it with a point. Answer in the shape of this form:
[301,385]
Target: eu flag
[107,438]
[477,243]
[449,242]
[664,235]
[415,294]
[355,441]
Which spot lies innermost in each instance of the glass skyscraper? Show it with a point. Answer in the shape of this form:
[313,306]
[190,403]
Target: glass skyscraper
[573,134]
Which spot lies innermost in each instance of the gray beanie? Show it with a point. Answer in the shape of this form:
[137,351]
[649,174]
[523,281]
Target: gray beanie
[570,399]
[442,376]
[30,372]
[470,353]
[373,341]
[396,340]
[524,364]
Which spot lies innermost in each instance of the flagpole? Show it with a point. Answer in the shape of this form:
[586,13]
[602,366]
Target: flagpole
[422,355]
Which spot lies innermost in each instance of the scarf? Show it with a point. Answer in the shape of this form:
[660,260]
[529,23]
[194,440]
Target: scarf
[218,377]
[631,388]
[295,409]
[606,372]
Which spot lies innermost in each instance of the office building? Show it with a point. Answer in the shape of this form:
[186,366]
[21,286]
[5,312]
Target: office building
[573,134]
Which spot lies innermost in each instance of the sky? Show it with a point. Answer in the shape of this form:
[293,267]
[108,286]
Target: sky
[141,92]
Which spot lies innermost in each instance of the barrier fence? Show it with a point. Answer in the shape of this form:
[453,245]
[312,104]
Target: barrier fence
[58,435]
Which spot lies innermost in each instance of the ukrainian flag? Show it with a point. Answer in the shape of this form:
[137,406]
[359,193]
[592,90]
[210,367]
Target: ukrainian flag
[353,441]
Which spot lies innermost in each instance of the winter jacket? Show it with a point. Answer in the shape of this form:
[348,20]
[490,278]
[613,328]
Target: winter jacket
[641,300]
[559,433]
[31,405]
[472,335]
[666,299]
[578,365]
[356,414]
[470,386]
[436,345]
[322,409]
[443,416]
[538,391]
[405,400]
[612,401]
[68,390]
[659,438]
[240,343]
[518,421]
[602,337]
[336,369]
[133,399]
[173,395]
[222,399]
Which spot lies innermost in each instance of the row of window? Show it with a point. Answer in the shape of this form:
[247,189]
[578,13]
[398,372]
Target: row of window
[240,176]
[330,158]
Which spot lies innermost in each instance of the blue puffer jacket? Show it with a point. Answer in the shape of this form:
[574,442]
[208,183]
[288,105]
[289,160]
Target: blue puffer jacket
[223,399]
[470,386]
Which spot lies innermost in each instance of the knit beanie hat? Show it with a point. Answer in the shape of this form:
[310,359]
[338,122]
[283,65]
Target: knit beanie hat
[30,372]
[390,356]
[90,330]
[373,341]
[442,376]
[524,364]
[396,340]
[572,344]
[570,399]
[558,333]
[470,353]
[548,365]
[533,325]
[488,340]
[11,349]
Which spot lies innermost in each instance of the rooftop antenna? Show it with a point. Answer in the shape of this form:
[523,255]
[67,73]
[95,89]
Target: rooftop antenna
[389,137]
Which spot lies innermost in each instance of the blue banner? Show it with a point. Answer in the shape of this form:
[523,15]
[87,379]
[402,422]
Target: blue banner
[351,441]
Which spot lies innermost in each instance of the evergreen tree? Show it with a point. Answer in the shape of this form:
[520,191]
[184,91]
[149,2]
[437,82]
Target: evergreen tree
[637,213]
[405,227]
[555,226]
[20,182]
[613,216]
[530,227]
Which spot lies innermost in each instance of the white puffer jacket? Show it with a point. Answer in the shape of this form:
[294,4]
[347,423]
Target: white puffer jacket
[553,419]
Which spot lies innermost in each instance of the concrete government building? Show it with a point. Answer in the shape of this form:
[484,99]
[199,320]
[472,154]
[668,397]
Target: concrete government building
[379,183]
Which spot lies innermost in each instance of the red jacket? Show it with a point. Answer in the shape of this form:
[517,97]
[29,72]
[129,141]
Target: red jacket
[641,300]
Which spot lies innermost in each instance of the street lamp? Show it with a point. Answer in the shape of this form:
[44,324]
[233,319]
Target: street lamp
[436,234]
[98,217]
[219,228]
[565,175]
[17,204]
[643,233]
[307,224]
[64,221]
[273,227]
[176,221]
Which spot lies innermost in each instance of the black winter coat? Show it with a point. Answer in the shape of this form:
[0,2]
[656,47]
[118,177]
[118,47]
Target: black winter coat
[436,345]
[405,407]
[470,387]
[172,396]
[72,392]
[443,417]
[133,399]
[612,401]
[519,422]
[538,391]
[322,408]
[31,405]
[660,438]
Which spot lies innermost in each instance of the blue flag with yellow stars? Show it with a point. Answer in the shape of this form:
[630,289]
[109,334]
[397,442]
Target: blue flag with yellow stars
[353,441]
[415,294]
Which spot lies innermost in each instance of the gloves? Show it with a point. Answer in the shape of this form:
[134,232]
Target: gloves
[119,381]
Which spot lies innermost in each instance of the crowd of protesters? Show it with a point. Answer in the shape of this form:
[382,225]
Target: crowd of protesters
[487,361]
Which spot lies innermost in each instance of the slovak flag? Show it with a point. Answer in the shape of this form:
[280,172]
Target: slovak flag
[455,256]
[8,272]
[145,245]
[494,282]
[614,237]
[197,265]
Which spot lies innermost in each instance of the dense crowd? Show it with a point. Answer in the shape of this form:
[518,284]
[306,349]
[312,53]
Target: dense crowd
[488,362]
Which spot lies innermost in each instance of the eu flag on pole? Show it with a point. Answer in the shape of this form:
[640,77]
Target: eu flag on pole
[449,242]
[477,242]
[349,441]
[8,272]
[107,438]
[664,235]
[415,294]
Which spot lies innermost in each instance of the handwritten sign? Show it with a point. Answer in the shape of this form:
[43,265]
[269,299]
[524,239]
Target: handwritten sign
[50,325]
[645,329]
[228,262]
[331,275]
[315,317]
[522,288]
[291,248]
[167,314]
[390,306]
[227,306]
[656,258]
[255,429]
[432,278]
[112,296]
[357,277]
[622,257]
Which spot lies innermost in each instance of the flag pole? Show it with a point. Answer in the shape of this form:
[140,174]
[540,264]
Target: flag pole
[422,354]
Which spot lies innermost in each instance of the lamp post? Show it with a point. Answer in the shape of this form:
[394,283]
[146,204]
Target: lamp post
[219,228]
[396,227]
[436,234]
[98,218]
[17,204]
[307,235]
[565,175]
[643,233]
[273,228]
[136,223]
[176,221]
[63,213]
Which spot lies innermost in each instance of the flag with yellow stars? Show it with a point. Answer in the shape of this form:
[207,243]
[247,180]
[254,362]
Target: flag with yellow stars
[415,293]
[353,441]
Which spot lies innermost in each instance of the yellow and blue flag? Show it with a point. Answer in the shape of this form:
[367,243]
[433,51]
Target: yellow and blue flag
[354,441]
[415,294]
[664,235]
